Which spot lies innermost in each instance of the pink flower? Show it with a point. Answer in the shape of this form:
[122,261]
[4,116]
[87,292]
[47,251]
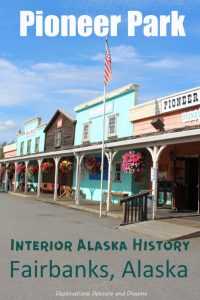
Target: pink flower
[132,162]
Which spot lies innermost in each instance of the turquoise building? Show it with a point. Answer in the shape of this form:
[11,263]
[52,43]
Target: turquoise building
[30,141]
[89,128]
[32,138]
[89,116]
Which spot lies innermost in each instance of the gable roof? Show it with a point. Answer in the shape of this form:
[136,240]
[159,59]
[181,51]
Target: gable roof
[59,111]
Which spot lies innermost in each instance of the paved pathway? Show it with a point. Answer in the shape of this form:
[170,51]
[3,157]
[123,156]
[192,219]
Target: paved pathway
[166,229]
[25,220]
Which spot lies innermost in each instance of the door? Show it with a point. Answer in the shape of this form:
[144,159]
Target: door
[186,183]
[180,183]
[192,183]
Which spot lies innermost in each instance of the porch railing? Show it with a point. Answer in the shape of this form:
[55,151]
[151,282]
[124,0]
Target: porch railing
[135,208]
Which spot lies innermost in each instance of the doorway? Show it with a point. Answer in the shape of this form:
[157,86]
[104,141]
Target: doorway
[192,182]
[186,183]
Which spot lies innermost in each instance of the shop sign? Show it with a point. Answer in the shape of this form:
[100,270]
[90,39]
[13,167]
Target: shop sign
[59,123]
[98,111]
[180,101]
[30,132]
[193,115]
[154,174]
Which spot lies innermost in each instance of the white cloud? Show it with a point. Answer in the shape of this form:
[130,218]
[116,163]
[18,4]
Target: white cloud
[166,63]
[120,54]
[185,65]
[7,125]
[37,83]
[47,83]
[126,58]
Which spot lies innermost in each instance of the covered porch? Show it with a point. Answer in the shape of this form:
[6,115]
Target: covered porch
[155,144]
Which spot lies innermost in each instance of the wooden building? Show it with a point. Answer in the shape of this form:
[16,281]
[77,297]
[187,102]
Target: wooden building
[59,132]
[59,135]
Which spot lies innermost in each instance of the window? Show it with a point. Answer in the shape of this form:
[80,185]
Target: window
[86,131]
[112,126]
[117,172]
[29,147]
[37,143]
[57,142]
[180,171]
[22,148]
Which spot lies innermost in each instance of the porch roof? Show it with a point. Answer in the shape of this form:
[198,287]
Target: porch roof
[160,138]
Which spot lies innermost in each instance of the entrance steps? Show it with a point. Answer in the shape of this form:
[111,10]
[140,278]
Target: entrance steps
[165,229]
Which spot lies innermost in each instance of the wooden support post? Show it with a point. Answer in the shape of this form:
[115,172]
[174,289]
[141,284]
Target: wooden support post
[110,157]
[56,159]
[6,179]
[79,159]
[77,179]
[26,177]
[15,178]
[39,177]
[155,152]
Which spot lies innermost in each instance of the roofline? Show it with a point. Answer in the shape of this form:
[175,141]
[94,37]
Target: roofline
[66,114]
[20,133]
[42,125]
[23,132]
[13,147]
[144,104]
[117,92]
[33,119]
[169,96]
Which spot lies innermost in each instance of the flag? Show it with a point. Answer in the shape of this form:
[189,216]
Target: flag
[108,68]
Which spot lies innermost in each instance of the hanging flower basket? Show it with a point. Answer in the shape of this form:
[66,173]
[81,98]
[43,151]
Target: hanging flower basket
[20,168]
[92,165]
[132,162]
[2,169]
[45,166]
[32,170]
[66,166]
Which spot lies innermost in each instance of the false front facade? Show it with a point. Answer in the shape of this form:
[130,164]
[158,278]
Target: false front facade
[89,133]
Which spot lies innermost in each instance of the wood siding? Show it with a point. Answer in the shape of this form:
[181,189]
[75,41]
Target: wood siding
[67,134]
[63,178]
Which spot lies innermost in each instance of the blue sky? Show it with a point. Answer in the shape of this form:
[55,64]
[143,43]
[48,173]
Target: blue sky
[40,74]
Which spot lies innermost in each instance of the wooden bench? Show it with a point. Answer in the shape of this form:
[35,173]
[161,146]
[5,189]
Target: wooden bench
[47,187]
[67,191]
[115,194]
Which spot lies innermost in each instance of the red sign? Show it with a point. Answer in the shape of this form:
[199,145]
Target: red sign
[30,132]
[59,123]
